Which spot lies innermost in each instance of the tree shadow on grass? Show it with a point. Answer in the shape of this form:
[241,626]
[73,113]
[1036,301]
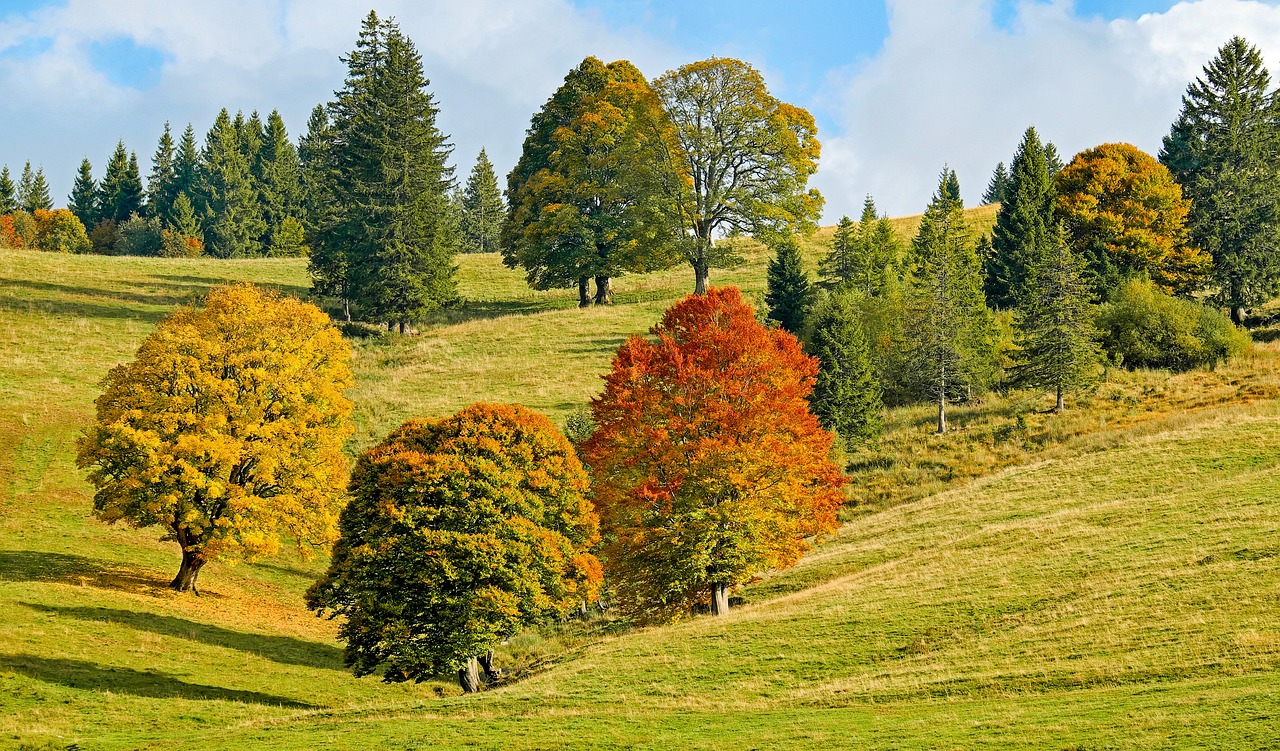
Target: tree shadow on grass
[86,676]
[62,568]
[282,649]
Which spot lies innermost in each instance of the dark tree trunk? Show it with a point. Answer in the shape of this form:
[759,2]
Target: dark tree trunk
[469,676]
[1237,315]
[403,328]
[346,309]
[719,599]
[584,292]
[391,326]
[701,274]
[188,572]
[491,674]
[604,290]
[1060,405]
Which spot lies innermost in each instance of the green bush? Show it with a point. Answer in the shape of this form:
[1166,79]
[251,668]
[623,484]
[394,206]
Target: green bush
[1143,327]
[141,237]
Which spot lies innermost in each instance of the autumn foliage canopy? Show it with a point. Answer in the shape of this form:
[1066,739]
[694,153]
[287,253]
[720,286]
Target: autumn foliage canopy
[227,429]
[460,532]
[708,467]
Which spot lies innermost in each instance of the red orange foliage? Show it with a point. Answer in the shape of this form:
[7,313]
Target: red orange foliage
[708,466]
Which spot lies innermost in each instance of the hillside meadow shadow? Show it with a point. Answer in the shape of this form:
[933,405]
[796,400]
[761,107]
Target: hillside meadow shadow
[64,568]
[87,676]
[283,649]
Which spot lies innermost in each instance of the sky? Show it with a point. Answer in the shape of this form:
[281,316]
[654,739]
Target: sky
[899,89]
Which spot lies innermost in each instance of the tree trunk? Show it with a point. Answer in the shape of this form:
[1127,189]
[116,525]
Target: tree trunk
[701,272]
[391,326]
[719,599]
[469,676]
[346,309]
[604,290]
[942,412]
[188,572]
[1237,315]
[403,328]
[491,674]
[584,292]
[1059,406]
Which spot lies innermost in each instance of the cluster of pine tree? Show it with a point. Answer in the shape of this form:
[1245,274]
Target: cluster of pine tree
[30,194]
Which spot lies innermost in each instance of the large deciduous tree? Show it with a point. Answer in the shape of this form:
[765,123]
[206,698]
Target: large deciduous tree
[1125,216]
[1024,221]
[591,196]
[389,182]
[950,327]
[707,466]
[482,208]
[226,429]
[1224,149]
[746,158]
[461,531]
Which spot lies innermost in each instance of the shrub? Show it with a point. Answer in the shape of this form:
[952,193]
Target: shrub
[105,238]
[141,237]
[174,244]
[60,231]
[1143,327]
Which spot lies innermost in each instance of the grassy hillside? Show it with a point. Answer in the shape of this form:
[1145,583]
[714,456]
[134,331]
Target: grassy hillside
[1053,580]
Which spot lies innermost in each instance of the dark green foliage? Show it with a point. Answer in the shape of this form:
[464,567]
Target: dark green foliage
[328,262]
[1024,221]
[185,222]
[846,394]
[186,170]
[998,188]
[482,209]
[120,194]
[140,237]
[8,192]
[950,330]
[83,201]
[162,184]
[788,293]
[233,225]
[390,181]
[280,187]
[288,239]
[1057,341]
[868,254]
[33,191]
[1224,149]
[1143,327]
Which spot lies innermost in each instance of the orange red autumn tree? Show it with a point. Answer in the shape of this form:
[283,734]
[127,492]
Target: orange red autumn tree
[707,465]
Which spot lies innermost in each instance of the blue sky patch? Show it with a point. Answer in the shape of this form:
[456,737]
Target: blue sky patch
[126,63]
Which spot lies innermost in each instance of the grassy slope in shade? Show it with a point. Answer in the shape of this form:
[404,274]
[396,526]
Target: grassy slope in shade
[1125,597]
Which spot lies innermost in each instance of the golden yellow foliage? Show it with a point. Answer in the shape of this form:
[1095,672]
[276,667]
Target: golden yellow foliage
[227,429]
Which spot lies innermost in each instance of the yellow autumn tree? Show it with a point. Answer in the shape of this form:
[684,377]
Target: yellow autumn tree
[1125,214]
[226,429]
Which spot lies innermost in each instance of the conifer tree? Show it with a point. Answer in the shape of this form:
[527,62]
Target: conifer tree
[788,292]
[34,195]
[391,181]
[186,169]
[837,268]
[846,394]
[120,193]
[185,220]
[1224,149]
[998,189]
[162,188]
[950,326]
[1058,345]
[1023,221]
[233,225]
[83,200]
[8,192]
[482,209]
[280,186]
[328,261]
[863,255]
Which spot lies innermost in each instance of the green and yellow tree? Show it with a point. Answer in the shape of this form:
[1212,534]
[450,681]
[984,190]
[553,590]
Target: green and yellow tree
[708,467]
[226,429]
[460,532]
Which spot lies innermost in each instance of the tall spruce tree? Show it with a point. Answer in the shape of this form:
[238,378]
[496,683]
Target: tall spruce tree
[863,255]
[186,221]
[837,268]
[33,191]
[280,188]
[83,200]
[8,192]
[788,292]
[186,169]
[482,209]
[1058,345]
[233,225]
[392,181]
[1224,149]
[162,187]
[120,194]
[998,189]
[846,394]
[328,262]
[1023,222]
[951,329]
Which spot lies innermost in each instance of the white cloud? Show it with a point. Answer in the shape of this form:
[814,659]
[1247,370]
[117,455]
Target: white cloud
[949,87]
